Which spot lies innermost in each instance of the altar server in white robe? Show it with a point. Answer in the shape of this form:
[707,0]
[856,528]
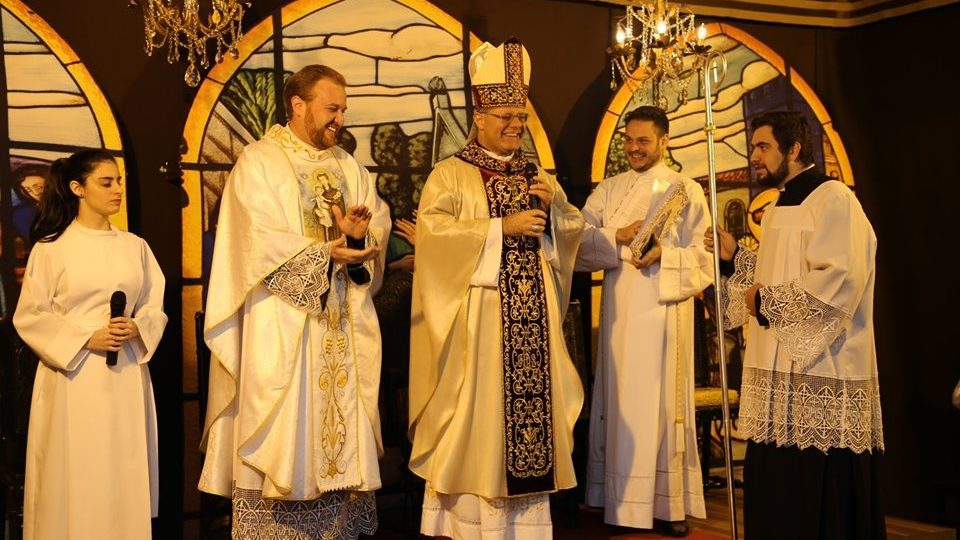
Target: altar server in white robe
[292,427]
[810,396]
[91,464]
[643,466]
[493,392]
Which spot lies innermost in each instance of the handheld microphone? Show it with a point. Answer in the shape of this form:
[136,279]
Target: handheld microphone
[118,302]
[530,172]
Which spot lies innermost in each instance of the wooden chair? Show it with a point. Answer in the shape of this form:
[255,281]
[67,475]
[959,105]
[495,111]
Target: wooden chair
[707,391]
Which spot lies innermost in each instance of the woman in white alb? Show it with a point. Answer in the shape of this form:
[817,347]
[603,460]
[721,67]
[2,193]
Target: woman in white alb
[91,467]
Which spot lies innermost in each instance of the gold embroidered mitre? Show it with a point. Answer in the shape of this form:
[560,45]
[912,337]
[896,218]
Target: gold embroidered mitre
[500,76]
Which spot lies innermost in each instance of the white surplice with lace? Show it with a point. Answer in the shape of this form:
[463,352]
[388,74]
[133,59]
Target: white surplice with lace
[810,378]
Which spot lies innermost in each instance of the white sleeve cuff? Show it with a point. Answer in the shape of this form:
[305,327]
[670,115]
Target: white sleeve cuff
[487,273]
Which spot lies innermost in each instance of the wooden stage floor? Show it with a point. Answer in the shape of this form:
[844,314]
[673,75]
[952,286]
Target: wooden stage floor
[585,523]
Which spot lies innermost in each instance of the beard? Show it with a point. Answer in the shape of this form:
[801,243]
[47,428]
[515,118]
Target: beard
[319,136]
[774,178]
[650,161]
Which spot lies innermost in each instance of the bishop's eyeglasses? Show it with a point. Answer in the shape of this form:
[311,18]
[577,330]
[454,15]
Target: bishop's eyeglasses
[507,118]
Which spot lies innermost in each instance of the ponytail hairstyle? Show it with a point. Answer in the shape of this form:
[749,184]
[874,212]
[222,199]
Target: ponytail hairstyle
[59,205]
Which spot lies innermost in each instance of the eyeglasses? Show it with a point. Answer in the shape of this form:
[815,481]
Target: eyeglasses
[507,118]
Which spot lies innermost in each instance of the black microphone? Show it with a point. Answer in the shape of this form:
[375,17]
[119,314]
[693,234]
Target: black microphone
[530,172]
[118,302]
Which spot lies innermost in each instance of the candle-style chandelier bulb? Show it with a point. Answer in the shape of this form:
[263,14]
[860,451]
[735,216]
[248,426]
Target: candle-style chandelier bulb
[664,52]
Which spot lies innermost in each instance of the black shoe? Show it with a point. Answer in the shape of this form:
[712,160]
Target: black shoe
[672,528]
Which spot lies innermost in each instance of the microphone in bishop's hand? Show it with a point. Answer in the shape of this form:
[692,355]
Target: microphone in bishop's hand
[118,302]
[530,173]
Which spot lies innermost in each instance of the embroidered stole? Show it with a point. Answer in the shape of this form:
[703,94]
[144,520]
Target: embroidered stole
[528,411]
[335,443]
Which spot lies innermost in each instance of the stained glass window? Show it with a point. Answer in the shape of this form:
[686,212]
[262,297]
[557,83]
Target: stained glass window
[52,108]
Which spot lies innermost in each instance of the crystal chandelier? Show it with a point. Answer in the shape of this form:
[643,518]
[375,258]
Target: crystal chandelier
[167,24]
[652,48]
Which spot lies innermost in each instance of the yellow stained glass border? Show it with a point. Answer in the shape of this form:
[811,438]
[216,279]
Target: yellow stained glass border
[103,115]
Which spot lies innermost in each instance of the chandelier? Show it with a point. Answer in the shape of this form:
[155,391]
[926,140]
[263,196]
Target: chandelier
[654,44]
[167,24]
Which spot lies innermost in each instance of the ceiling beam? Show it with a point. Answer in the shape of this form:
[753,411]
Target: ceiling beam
[834,14]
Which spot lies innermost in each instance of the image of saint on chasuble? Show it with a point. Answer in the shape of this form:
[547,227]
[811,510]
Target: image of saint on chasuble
[494,394]
[293,426]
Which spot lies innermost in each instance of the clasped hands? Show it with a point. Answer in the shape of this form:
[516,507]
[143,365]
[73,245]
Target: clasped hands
[111,337]
[353,224]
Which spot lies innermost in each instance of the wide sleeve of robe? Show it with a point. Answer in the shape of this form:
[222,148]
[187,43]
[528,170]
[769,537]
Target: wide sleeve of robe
[452,223]
[254,239]
[567,225]
[685,266]
[809,314]
[147,311]
[599,249]
[57,341]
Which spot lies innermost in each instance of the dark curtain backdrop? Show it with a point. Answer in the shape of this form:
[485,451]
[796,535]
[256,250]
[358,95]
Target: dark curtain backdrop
[884,85]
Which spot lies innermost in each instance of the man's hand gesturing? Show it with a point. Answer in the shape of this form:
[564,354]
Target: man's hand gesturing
[354,224]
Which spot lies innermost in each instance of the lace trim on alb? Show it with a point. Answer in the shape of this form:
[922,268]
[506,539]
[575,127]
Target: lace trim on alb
[734,307]
[790,409]
[340,515]
[803,324]
[302,280]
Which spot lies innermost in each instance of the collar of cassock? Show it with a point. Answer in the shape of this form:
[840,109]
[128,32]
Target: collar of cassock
[652,172]
[796,190]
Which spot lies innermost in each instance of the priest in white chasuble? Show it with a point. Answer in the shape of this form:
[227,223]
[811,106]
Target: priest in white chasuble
[644,230]
[493,392]
[292,430]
